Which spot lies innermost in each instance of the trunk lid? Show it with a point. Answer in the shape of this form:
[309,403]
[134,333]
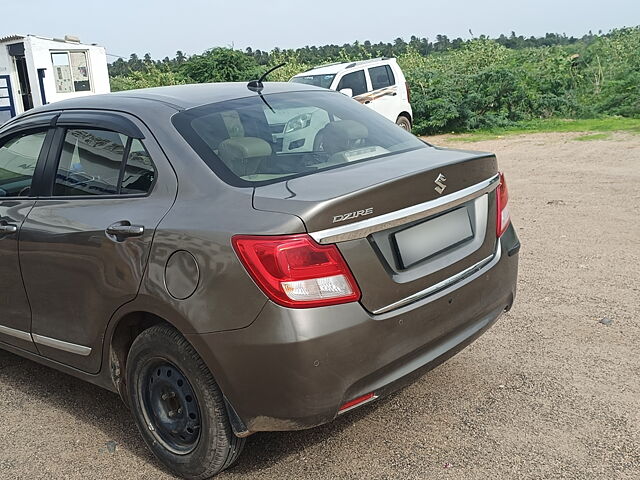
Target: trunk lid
[386,197]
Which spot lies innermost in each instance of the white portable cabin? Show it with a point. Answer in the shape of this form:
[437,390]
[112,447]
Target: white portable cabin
[35,71]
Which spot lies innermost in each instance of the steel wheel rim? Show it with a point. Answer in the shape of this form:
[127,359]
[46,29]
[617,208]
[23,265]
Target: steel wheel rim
[170,407]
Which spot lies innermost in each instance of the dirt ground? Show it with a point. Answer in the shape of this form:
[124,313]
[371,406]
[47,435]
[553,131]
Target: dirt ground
[548,392]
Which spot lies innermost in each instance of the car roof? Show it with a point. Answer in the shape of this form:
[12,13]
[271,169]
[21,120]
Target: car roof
[333,68]
[180,97]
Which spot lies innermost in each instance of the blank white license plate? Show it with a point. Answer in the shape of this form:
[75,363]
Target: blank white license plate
[429,238]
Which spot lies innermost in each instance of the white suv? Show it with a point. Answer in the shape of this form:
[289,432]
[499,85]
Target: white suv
[378,83]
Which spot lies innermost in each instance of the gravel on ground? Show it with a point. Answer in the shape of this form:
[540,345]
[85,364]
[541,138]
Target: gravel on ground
[551,391]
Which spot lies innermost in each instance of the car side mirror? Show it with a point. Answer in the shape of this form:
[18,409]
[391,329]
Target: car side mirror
[347,91]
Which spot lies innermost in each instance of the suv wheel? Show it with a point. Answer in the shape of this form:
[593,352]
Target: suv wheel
[404,123]
[178,407]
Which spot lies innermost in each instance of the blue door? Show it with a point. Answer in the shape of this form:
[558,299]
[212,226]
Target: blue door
[7,107]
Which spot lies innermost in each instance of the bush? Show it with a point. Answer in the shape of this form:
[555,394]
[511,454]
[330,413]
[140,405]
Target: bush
[485,85]
[152,76]
[612,73]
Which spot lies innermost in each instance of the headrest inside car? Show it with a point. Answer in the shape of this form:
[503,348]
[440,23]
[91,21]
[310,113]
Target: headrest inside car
[239,148]
[235,152]
[347,130]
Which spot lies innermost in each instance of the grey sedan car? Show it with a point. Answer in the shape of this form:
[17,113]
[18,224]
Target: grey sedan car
[232,259]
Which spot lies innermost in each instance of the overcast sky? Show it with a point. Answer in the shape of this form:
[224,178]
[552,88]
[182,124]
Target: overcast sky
[161,27]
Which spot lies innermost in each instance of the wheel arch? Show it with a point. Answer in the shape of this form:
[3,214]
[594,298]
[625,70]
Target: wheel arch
[406,115]
[125,325]
[123,333]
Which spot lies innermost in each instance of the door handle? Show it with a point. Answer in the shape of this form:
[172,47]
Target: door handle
[120,230]
[8,228]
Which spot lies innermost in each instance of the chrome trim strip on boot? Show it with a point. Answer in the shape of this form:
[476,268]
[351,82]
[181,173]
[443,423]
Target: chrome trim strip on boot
[477,268]
[364,228]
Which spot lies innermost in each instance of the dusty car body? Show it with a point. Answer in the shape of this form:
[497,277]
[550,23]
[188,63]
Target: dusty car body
[420,254]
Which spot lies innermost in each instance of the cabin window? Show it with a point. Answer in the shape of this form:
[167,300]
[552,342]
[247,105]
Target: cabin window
[71,72]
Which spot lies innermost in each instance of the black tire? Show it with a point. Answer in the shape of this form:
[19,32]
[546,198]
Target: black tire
[184,398]
[404,123]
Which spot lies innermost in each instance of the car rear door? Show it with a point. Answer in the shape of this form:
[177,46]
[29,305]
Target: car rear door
[22,150]
[384,92]
[85,243]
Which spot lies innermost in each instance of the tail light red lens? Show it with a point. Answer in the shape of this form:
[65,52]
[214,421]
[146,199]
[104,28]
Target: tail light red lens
[295,271]
[502,203]
[406,85]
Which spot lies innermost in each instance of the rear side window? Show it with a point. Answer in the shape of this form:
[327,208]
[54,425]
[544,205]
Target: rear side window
[18,158]
[355,81]
[381,77]
[139,172]
[100,162]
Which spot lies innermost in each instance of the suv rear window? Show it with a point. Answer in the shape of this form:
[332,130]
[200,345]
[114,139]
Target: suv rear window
[265,139]
[381,77]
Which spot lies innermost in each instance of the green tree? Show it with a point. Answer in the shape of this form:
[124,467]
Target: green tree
[180,57]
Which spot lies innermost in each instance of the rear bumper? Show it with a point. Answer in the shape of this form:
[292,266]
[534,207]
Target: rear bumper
[293,369]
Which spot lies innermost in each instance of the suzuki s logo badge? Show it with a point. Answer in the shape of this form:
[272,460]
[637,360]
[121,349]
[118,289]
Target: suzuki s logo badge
[440,183]
[352,215]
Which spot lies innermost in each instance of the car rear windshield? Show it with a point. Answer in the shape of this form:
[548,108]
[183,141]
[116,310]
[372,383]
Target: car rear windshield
[323,81]
[265,139]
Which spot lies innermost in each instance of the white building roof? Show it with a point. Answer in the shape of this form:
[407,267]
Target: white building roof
[16,37]
[11,38]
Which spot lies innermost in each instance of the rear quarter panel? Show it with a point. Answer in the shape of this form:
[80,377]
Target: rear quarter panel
[206,214]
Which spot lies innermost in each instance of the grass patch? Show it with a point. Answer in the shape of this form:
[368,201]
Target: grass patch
[593,136]
[599,125]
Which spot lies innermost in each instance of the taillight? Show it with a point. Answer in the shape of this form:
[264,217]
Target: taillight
[406,86]
[502,204]
[295,271]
